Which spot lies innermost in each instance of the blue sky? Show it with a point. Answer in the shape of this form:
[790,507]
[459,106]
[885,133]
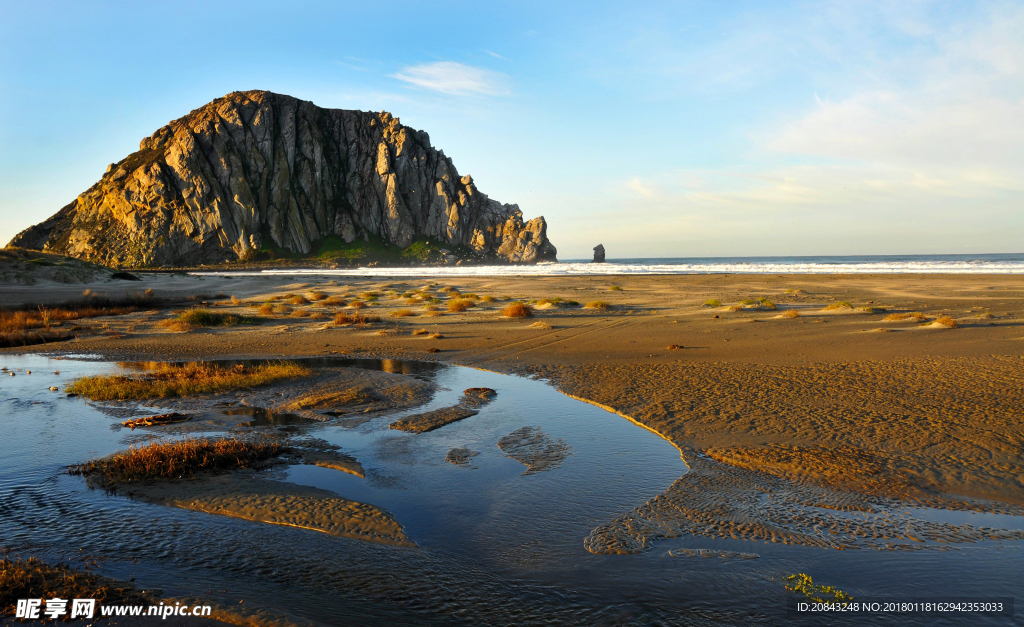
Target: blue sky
[657,129]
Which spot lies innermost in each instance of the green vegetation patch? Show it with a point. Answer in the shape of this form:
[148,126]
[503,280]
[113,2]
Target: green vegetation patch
[801,583]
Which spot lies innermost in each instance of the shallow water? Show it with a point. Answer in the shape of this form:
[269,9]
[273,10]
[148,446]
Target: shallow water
[496,546]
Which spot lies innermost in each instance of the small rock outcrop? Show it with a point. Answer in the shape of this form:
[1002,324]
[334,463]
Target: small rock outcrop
[599,253]
[257,170]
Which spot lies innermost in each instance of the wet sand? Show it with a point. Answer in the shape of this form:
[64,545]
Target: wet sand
[833,408]
[276,503]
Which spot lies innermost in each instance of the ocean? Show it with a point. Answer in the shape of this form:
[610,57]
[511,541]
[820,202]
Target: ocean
[1011,263]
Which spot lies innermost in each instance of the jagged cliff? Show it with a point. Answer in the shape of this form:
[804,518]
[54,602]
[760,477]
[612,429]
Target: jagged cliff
[256,170]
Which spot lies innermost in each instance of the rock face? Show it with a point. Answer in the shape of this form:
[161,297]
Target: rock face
[256,169]
[599,253]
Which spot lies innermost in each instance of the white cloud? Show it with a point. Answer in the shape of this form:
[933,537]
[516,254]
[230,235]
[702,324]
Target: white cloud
[453,78]
[927,158]
[637,186]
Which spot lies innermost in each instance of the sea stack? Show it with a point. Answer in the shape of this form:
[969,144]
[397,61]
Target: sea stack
[599,253]
[256,171]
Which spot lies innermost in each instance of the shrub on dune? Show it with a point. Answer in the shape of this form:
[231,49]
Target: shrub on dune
[517,310]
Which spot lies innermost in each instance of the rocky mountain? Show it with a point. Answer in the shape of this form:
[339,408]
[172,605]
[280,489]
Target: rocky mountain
[257,171]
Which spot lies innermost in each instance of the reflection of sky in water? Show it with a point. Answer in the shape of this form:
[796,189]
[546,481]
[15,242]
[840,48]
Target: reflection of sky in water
[497,546]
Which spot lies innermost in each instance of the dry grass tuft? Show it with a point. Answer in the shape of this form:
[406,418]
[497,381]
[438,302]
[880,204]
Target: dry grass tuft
[615,288]
[436,336]
[792,313]
[282,310]
[165,380]
[334,301]
[487,299]
[298,300]
[357,304]
[300,313]
[598,304]
[673,347]
[36,326]
[236,300]
[947,322]
[916,316]
[517,310]
[838,306]
[175,460]
[388,332]
[402,313]
[33,579]
[712,302]
[420,332]
[316,295]
[344,318]
[459,305]
[265,309]
[540,325]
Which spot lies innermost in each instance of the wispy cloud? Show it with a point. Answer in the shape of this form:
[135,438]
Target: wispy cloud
[495,55]
[453,78]
[637,186]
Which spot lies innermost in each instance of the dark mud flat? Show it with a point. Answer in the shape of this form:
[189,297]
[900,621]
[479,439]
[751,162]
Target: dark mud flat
[494,546]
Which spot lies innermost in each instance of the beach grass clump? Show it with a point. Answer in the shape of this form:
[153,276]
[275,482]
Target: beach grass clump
[344,319]
[487,298]
[281,310]
[298,300]
[178,459]
[316,295]
[34,579]
[202,317]
[301,313]
[517,310]
[265,309]
[598,304]
[948,322]
[839,306]
[615,288]
[791,313]
[765,303]
[916,316]
[872,309]
[357,304]
[334,301]
[436,336]
[460,305]
[402,313]
[420,332]
[712,302]
[540,325]
[167,380]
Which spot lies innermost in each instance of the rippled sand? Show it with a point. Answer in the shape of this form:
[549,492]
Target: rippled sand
[277,503]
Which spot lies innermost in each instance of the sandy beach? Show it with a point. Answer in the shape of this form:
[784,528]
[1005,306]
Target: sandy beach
[838,397]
